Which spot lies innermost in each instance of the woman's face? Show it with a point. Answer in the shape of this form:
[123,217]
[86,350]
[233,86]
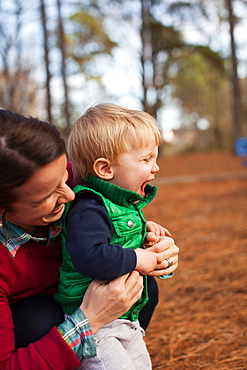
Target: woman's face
[42,198]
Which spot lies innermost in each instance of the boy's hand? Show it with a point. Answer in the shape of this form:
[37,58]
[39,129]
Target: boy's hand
[150,240]
[147,261]
[157,229]
[154,232]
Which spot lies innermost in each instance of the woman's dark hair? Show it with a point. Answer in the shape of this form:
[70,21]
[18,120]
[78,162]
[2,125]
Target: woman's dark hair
[26,145]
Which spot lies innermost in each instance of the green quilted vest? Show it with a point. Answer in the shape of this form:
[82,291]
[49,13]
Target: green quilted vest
[124,208]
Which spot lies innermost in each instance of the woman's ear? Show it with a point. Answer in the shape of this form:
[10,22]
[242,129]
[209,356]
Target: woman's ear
[1,219]
[103,169]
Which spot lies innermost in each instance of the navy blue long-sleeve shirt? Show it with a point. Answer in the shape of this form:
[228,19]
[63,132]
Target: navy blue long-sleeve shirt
[89,229]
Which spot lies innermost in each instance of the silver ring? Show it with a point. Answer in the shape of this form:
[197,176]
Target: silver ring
[170,263]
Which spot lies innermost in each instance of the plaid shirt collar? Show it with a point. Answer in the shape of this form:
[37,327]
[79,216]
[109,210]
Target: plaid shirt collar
[19,236]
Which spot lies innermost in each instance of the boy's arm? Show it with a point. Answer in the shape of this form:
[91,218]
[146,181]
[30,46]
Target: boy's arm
[89,232]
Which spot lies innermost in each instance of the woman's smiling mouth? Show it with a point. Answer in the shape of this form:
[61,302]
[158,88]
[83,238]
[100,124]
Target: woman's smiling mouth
[57,209]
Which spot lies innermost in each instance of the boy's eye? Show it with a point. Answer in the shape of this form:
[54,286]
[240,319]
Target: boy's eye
[147,159]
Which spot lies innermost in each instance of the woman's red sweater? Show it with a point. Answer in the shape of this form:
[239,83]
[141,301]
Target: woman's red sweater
[34,270]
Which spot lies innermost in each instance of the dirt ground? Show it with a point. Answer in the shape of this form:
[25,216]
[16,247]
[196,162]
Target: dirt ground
[201,319]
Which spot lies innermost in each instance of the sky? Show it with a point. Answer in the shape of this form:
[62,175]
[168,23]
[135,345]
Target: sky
[121,73]
[123,79]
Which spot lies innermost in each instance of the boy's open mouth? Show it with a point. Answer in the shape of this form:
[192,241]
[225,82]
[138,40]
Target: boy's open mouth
[142,190]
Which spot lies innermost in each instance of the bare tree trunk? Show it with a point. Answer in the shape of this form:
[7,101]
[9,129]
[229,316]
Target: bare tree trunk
[18,13]
[61,43]
[148,62]
[47,64]
[146,52]
[237,124]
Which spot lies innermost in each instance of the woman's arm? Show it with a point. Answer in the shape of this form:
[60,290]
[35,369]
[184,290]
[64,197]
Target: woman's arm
[102,304]
[49,352]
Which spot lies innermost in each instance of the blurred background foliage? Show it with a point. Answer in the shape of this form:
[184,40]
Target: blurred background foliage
[58,57]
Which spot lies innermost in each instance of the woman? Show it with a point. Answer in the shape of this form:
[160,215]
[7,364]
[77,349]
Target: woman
[33,191]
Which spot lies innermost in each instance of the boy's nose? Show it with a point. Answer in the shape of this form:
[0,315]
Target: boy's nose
[155,167]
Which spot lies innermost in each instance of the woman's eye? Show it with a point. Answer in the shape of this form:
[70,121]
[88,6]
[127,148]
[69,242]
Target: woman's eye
[43,201]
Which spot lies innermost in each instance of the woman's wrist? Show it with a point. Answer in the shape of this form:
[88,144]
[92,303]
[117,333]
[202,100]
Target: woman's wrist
[93,319]
[77,332]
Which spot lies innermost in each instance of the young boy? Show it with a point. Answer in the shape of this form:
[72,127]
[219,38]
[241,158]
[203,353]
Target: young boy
[114,152]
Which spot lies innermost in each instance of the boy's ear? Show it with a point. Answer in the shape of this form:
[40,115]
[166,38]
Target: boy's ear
[103,169]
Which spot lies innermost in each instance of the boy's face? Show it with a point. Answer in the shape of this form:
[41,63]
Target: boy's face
[136,169]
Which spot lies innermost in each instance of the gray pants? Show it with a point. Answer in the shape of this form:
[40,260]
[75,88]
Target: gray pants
[120,346]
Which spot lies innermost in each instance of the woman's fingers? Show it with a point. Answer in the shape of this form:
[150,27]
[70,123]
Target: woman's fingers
[168,266]
[166,246]
[134,286]
[168,251]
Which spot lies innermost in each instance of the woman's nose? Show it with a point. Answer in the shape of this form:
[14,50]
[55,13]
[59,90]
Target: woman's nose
[68,194]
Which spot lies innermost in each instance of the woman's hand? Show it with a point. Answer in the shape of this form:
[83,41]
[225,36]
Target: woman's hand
[105,302]
[168,250]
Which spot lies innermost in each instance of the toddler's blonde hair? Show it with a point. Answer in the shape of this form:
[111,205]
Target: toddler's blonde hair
[107,131]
